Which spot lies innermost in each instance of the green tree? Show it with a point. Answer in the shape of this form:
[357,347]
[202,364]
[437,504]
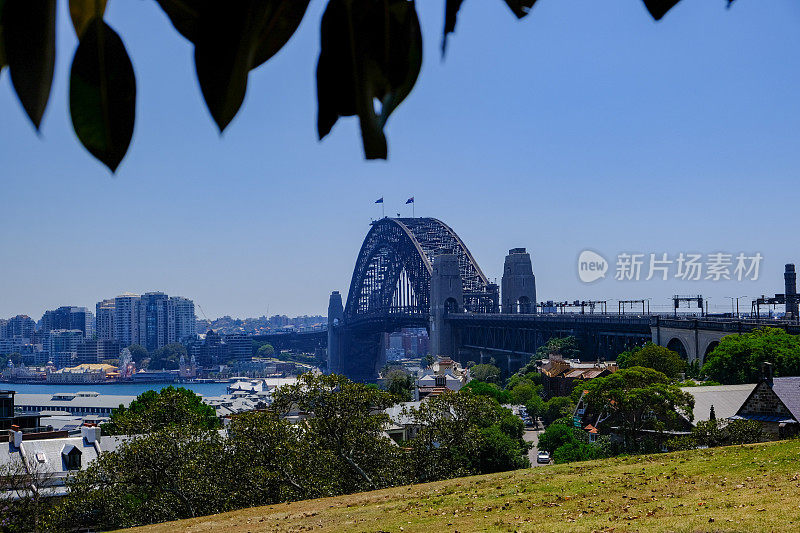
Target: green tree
[275,462]
[347,421]
[265,350]
[555,408]
[567,443]
[174,472]
[398,382]
[564,347]
[653,356]
[168,357]
[462,434]
[138,353]
[637,399]
[535,406]
[486,373]
[738,358]
[523,392]
[169,407]
[491,390]
[24,494]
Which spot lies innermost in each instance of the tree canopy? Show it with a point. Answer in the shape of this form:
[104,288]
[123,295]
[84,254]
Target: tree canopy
[637,399]
[399,382]
[154,410]
[167,357]
[463,434]
[371,53]
[491,390]
[564,347]
[653,356]
[738,358]
[265,350]
[486,373]
[138,353]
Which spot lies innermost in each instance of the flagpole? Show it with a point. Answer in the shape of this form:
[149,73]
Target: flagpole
[383,209]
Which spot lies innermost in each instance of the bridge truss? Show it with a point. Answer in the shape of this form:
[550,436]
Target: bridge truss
[392,276]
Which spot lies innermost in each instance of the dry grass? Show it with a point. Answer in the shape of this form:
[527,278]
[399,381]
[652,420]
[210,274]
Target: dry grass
[741,488]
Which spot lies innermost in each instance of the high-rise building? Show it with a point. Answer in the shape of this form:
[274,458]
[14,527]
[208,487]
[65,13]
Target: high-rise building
[69,317]
[126,319]
[154,321]
[3,324]
[97,350]
[21,326]
[185,321]
[211,352]
[240,347]
[62,346]
[104,320]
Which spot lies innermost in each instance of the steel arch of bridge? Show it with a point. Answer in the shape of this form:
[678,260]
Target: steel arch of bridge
[392,276]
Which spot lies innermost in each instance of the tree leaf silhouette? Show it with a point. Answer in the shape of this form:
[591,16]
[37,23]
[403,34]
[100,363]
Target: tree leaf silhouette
[102,94]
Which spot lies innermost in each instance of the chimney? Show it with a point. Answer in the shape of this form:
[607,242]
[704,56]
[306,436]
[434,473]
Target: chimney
[90,433]
[16,436]
[766,372]
[790,290]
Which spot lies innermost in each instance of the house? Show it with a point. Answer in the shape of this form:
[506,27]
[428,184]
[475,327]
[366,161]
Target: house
[49,462]
[775,403]
[401,427]
[431,384]
[561,376]
[725,399]
[443,375]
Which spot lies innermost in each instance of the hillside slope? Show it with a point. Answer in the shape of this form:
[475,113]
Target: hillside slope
[741,488]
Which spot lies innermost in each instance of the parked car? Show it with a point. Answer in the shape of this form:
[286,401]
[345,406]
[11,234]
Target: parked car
[543,457]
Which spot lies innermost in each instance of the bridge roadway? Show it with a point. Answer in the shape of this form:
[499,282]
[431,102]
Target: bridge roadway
[511,339]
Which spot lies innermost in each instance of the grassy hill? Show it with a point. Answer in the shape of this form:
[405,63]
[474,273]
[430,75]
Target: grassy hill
[740,488]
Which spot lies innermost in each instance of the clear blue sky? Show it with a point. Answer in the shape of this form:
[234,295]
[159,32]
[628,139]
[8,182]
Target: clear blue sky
[585,125]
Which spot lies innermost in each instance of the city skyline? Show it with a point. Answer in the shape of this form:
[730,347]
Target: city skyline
[550,133]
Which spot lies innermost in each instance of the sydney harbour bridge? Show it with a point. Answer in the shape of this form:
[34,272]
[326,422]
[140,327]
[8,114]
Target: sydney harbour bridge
[417,272]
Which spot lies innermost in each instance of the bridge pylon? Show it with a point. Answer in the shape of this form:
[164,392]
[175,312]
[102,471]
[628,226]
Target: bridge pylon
[518,283]
[447,296]
[335,319]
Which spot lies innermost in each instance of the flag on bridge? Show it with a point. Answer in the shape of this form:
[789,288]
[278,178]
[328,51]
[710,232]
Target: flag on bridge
[379,200]
[410,200]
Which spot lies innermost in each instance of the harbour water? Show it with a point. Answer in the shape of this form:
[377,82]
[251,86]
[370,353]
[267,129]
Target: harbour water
[126,389]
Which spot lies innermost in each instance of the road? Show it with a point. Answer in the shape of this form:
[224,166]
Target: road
[532,435]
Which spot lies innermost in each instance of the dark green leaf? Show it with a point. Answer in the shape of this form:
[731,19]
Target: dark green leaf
[29,36]
[83,11]
[102,94]
[659,8]
[230,40]
[370,51]
[520,7]
[185,15]
[450,16]
[2,48]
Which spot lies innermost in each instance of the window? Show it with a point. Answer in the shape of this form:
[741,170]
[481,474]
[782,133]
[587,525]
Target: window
[72,457]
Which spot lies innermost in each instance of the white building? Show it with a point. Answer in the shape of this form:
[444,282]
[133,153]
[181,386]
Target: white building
[126,319]
[185,320]
[104,320]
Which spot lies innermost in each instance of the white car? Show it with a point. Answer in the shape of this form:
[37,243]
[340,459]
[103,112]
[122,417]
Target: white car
[543,457]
